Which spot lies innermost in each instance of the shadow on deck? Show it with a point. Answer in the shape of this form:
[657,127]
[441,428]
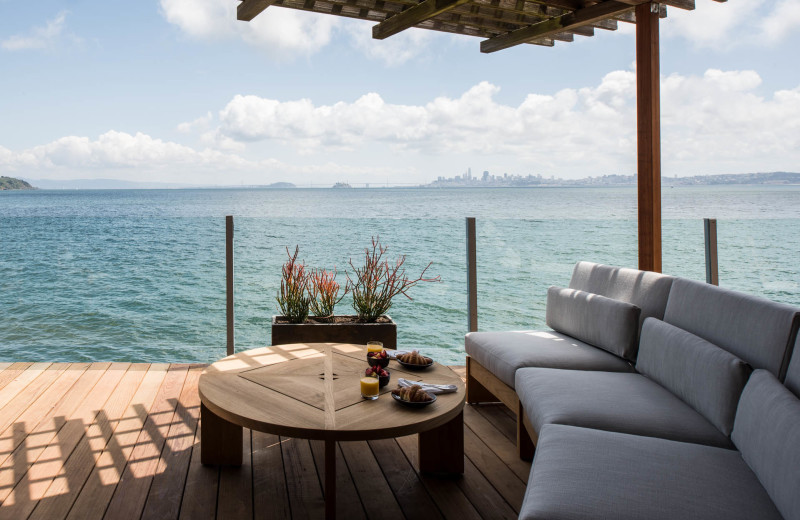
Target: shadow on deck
[120,440]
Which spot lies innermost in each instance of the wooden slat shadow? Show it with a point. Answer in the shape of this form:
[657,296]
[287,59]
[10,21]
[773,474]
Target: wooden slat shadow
[102,440]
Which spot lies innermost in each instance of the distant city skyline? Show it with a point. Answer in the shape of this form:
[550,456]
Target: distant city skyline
[181,92]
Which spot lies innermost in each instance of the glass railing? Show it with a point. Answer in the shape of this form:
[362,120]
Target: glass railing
[90,279]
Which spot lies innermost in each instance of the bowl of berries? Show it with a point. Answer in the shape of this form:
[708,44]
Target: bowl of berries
[380,359]
[379,372]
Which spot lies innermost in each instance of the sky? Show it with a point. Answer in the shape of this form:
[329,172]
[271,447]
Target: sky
[179,91]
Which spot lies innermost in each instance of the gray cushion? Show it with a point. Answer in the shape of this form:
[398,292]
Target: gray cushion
[767,433]
[793,374]
[612,325]
[701,374]
[645,289]
[612,401]
[756,330]
[505,352]
[579,473]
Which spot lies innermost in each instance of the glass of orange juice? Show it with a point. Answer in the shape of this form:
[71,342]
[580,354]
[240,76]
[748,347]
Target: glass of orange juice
[370,388]
[374,346]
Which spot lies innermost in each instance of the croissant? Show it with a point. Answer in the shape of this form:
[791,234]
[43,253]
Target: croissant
[414,358]
[413,393]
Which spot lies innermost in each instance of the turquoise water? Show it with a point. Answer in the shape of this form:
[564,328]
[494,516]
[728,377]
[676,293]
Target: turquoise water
[139,275]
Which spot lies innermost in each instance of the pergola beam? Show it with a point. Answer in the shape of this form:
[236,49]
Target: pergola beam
[249,9]
[566,22]
[412,16]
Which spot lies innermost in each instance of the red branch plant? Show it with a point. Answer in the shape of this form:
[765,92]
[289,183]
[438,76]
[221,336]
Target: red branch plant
[376,282]
[292,298]
[324,292]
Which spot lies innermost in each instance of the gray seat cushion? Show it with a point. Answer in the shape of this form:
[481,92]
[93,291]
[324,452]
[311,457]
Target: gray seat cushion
[579,473]
[703,375]
[753,329]
[611,325]
[645,289]
[612,401]
[793,373]
[505,352]
[767,433]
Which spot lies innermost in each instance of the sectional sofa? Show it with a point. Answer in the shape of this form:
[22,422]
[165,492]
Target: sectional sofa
[651,397]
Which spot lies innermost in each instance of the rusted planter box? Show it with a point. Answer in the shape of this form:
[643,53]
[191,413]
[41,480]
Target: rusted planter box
[344,329]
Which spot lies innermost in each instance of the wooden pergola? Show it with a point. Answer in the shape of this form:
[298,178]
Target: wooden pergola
[506,23]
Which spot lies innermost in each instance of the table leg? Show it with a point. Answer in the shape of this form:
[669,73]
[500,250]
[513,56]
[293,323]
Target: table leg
[441,450]
[330,479]
[220,440]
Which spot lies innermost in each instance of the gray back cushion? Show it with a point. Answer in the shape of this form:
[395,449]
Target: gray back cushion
[793,373]
[704,376]
[767,433]
[611,325]
[754,329]
[645,289]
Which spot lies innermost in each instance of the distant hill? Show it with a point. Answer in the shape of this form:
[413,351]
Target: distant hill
[10,183]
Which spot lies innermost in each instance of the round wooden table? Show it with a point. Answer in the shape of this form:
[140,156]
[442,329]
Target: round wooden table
[311,391]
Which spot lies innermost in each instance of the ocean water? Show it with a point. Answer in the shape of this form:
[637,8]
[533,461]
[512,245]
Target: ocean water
[139,275]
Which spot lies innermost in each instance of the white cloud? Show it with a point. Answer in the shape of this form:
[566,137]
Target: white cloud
[714,123]
[706,120]
[140,157]
[281,33]
[395,50]
[39,37]
[781,21]
[200,123]
[728,25]
[538,129]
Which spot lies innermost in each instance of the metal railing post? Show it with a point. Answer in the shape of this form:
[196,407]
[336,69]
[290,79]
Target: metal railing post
[472,277]
[229,279]
[712,270]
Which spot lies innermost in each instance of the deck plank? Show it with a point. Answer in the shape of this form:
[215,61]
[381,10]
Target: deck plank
[123,441]
[376,494]
[495,471]
[483,496]
[408,489]
[131,493]
[303,485]
[65,487]
[497,442]
[47,459]
[202,486]
[20,393]
[235,501]
[448,497]
[270,496]
[164,499]
[102,482]
[348,503]
[11,372]
[497,414]
[37,425]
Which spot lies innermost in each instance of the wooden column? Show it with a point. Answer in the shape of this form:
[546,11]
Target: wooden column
[648,122]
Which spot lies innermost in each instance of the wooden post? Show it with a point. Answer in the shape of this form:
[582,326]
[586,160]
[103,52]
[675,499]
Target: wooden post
[472,277]
[229,280]
[712,267]
[648,123]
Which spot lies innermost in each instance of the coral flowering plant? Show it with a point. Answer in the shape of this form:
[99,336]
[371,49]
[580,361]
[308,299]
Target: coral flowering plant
[377,281]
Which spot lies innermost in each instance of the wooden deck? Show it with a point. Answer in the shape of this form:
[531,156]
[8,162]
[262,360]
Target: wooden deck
[120,440]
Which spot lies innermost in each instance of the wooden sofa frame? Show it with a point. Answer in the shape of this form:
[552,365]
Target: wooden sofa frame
[485,387]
